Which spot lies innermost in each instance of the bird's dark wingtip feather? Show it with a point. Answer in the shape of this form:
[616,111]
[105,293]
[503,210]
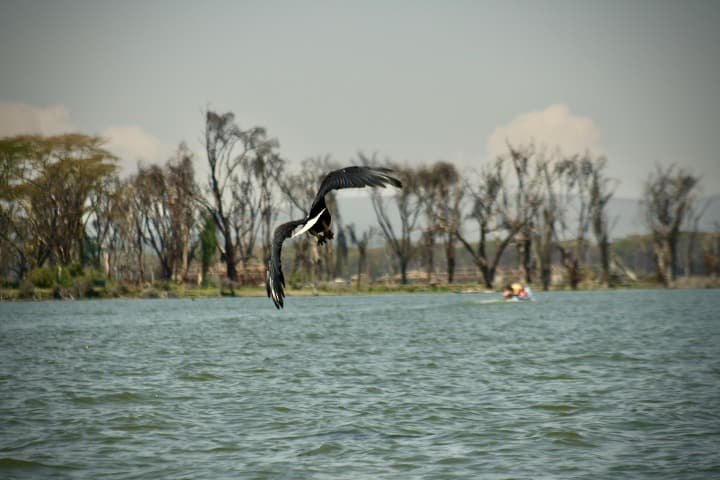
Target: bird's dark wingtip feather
[274,284]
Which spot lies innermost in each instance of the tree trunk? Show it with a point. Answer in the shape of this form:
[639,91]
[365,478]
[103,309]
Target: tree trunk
[488,274]
[546,254]
[672,242]
[403,271]
[661,257]
[526,257]
[604,247]
[140,260]
[450,256]
[230,259]
[361,267]
[430,254]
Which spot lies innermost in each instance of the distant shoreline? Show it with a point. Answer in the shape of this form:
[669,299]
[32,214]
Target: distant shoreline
[183,291]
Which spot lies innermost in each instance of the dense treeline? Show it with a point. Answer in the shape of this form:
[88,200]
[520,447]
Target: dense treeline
[540,214]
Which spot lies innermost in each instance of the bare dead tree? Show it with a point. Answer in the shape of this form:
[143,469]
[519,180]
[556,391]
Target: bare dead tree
[135,232]
[185,219]
[575,175]
[711,252]
[602,190]
[495,213]
[361,243]
[267,169]
[126,243]
[106,214]
[439,191]
[229,151]
[409,206]
[153,204]
[257,203]
[341,251]
[168,219]
[547,218]
[428,185]
[669,196]
[527,199]
[299,189]
[451,214]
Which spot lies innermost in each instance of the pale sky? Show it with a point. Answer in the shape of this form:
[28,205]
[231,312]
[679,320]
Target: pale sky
[416,81]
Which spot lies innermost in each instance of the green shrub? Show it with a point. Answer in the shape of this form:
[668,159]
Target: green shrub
[75,270]
[42,277]
[116,289]
[82,287]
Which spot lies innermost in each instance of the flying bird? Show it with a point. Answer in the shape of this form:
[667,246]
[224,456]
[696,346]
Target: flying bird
[317,221]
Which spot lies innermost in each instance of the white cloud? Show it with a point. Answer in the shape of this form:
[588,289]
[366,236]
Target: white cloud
[131,143]
[19,118]
[555,126]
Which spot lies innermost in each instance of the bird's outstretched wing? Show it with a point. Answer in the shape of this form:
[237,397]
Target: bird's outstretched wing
[354,177]
[274,278]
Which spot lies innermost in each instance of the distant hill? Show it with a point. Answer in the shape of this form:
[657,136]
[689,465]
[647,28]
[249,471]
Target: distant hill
[625,214]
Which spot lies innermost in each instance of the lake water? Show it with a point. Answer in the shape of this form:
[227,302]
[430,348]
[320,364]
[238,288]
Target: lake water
[615,384]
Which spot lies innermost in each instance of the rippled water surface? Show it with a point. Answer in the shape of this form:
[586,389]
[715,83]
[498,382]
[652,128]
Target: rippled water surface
[619,384]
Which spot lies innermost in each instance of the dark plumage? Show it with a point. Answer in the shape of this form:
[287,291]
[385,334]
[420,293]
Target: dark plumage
[317,221]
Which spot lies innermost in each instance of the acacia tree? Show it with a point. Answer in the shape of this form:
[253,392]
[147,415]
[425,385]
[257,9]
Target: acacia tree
[668,197]
[20,249]
[45,204]
[231,150]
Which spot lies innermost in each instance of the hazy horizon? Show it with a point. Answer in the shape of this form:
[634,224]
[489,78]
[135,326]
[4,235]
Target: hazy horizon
[416,82]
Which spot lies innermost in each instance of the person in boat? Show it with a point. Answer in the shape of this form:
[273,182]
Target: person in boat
[517,291]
